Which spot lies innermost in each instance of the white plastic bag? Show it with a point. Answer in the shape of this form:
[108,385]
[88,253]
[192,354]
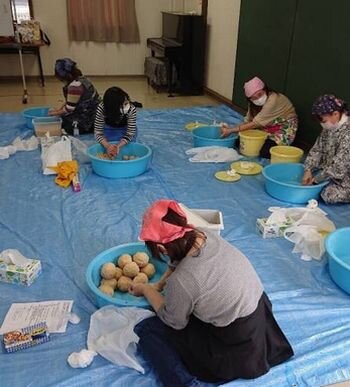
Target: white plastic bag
[111,334]
[307,230]
[80,150]
[18,145]
[26,145]
[212,154]
[55,153]
[308,241]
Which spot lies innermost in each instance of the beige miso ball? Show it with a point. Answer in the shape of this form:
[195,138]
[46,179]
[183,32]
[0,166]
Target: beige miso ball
[141,259]
[124,259]
[141,278]
[108,270]
[110,282]
[107,290]
[149,270]
[124,283]
[131,270]
[118,273]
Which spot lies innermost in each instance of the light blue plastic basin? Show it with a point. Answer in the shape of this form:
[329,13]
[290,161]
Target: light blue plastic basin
[283,182]
[119,168]
[93,277]
[338,250]
[35,112]
[210,135]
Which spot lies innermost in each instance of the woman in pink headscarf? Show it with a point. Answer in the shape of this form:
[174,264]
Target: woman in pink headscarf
[269,111]
[215,322]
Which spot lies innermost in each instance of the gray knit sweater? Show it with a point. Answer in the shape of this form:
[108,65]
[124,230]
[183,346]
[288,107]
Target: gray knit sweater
[218,286]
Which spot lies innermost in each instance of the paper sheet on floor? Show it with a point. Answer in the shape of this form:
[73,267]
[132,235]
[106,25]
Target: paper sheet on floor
[54,313]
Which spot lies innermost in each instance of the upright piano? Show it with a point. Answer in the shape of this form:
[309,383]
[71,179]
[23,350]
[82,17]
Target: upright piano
[182,45]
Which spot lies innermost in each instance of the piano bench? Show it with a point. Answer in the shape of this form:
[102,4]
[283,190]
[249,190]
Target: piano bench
[155,69]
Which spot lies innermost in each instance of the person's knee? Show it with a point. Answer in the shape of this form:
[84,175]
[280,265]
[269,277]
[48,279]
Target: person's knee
[333,194]
[147,326]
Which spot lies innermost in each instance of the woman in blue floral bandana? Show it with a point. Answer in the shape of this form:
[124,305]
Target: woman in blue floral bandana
[81,98]
[329,158]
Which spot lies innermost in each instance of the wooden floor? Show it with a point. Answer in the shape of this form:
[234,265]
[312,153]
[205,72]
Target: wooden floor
[11,92]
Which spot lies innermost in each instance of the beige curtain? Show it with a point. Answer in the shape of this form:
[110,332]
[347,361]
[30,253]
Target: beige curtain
[103,21]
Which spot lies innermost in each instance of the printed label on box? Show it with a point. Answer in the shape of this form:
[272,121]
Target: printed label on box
[25,275]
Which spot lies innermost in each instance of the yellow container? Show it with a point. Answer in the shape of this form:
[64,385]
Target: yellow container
[285,154]
[251,142]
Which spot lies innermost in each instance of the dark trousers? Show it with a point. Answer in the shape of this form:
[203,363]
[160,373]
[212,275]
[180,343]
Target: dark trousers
[246,348]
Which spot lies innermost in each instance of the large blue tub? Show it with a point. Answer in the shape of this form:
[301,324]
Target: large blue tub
[338,249]
[119,168]
[210,136]
[283,182]
[93,277]
[34,112]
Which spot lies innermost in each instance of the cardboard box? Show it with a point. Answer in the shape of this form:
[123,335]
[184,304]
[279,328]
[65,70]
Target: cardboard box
[25,275]
[26,337]
[271,230]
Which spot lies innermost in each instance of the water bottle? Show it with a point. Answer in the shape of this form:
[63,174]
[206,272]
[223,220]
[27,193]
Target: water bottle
[75,129]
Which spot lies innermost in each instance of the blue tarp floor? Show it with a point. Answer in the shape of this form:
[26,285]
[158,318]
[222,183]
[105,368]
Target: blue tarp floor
[65,230]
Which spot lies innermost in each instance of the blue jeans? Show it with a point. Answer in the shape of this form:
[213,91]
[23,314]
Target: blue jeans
[112,133]
[155,347]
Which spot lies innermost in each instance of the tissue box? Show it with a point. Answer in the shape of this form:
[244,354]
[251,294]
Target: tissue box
[24,275]
[271,230]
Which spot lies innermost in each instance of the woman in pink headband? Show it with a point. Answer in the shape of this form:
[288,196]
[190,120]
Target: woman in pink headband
[214,323]
[269,111]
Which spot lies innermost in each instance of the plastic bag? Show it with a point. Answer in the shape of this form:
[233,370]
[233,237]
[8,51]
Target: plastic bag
[308,241]
[212,154]
[18,145]
[80,150]
[26,145]
[307,230]
[311,215]
[111,334]
[55,153]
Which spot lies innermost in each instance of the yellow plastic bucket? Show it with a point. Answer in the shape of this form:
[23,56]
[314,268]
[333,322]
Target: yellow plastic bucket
[251,141]
[285,154]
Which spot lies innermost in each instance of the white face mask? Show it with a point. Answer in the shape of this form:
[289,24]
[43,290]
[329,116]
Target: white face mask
[125,109]
[260,101]
[329,126]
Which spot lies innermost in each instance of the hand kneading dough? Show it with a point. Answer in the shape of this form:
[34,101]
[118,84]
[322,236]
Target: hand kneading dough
[108,270]
[141,278]
[118,273]
[107,290]
[112,283]
[149,270]
[124,283]
[123,260]
[131,270]
[141,259]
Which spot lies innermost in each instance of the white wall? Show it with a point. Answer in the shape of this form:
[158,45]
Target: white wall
[93,58]
[223,20]
[128,59]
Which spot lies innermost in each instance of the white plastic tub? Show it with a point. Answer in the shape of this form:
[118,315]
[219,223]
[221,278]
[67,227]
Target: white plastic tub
[206,219]
[50,125]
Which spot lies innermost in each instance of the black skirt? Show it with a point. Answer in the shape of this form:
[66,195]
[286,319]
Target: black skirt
[247,348]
